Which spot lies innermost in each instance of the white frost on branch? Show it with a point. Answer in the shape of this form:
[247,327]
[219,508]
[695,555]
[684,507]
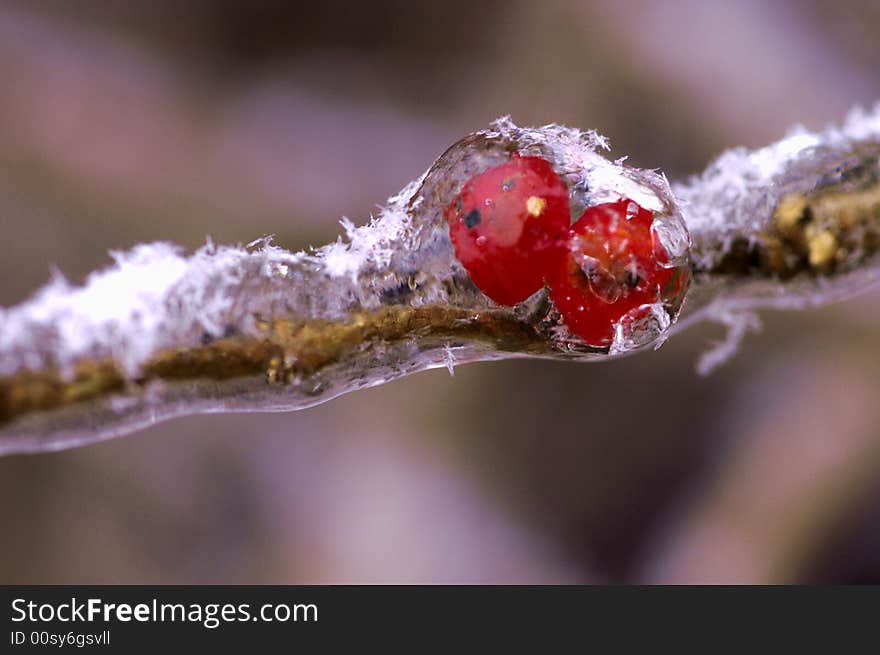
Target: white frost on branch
[736,195]
[738,324]
[375,243]
[152,297]
[735,198]
[155,297]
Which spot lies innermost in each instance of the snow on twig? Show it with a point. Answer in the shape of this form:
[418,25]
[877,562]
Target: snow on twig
[231,328]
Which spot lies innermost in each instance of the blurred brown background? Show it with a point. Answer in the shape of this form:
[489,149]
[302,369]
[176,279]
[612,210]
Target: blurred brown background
[137,121]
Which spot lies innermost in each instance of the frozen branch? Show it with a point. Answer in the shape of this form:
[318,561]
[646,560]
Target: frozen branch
[162,334]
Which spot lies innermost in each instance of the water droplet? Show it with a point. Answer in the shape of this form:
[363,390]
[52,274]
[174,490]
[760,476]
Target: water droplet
[602,283]
[640,326]
[670,241]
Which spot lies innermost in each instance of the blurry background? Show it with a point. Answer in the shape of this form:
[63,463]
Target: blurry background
[160,120]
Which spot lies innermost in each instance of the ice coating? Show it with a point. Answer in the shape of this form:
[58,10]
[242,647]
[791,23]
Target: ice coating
[613,264]
[749,251]
[738,192]
[155,297]
[639,327]
[161,333]
[591,179]
[259,328]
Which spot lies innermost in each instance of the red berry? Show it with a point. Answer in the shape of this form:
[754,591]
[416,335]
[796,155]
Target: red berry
[508,226]
[614,264]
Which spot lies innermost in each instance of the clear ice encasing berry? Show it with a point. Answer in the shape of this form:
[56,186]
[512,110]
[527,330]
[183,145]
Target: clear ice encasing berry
[509,225]
[614,272]
[623,309]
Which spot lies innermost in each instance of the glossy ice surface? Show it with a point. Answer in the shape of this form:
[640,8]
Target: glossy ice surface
[508,227]
[617,276]
[163,334]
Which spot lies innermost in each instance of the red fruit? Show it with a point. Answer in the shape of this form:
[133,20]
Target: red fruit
[508,226]
[613,264]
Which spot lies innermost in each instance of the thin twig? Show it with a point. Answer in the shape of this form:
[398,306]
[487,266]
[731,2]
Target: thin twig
[261,328]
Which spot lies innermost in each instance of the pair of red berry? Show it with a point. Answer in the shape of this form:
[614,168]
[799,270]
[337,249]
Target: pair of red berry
[511,229]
